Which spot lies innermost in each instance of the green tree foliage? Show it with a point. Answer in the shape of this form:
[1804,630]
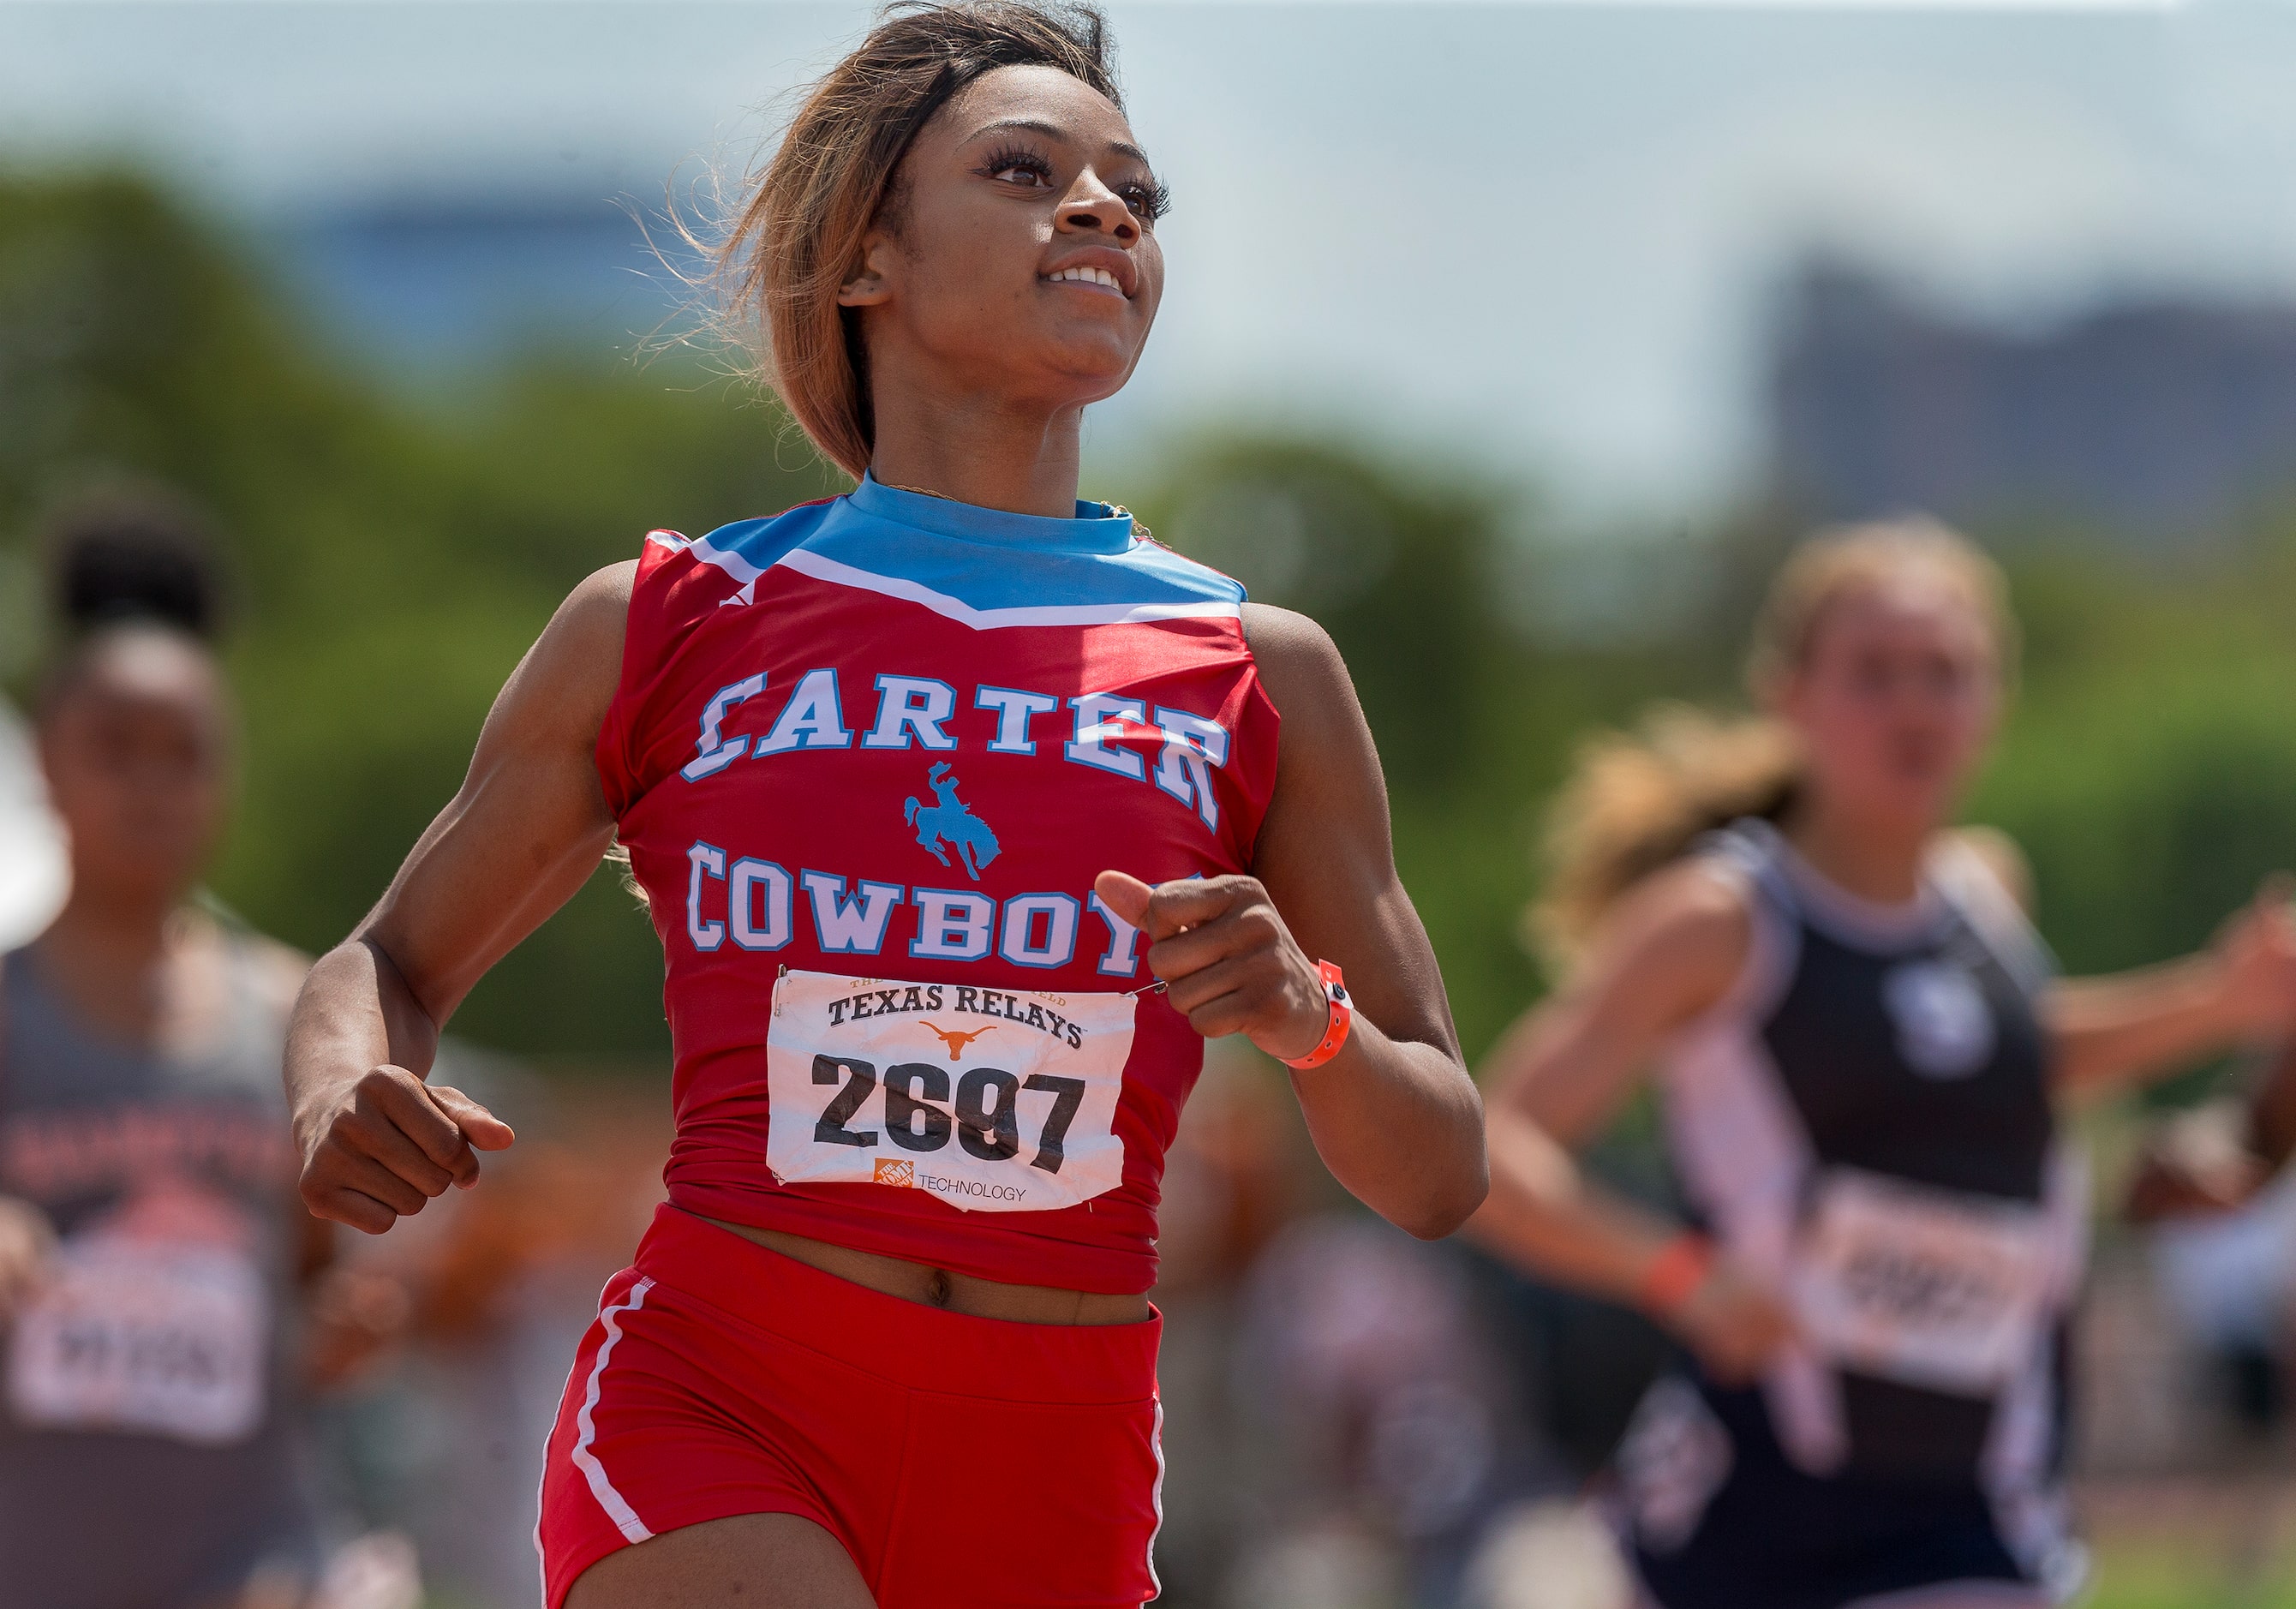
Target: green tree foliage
[391,562]
[2150,767]
[395,556]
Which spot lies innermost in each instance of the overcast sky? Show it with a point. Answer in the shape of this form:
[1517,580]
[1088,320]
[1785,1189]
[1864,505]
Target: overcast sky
[1543,232]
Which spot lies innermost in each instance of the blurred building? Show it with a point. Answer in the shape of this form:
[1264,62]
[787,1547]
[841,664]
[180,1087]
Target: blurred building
[425,282]
[2162,421]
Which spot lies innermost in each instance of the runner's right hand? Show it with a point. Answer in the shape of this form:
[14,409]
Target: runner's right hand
[27,1243]
[388,1143]
[2255,953]
[1734,1323]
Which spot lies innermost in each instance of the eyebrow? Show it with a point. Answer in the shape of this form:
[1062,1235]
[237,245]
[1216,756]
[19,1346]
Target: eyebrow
[1051,131]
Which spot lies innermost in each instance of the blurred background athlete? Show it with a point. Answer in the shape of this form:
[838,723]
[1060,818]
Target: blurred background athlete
[153,1258]
[964,812]
[1863,1057]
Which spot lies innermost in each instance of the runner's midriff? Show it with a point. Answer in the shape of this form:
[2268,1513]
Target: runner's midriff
[951,1291]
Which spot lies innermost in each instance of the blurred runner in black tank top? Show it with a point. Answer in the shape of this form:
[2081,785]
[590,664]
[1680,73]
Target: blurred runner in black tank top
[1862,1054]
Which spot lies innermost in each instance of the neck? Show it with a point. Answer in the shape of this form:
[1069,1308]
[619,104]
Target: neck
[116,938]
[989,452]
[1876,862]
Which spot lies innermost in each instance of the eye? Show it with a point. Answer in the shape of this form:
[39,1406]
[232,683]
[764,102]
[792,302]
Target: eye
[1147,200]
[1021,167]
[1871,675]
[1950,678]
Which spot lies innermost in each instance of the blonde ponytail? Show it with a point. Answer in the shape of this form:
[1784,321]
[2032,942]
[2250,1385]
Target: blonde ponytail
[1635,802]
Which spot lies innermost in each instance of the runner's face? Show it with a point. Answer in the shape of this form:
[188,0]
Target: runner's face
[137,756]
[1026,177]
[1896,702]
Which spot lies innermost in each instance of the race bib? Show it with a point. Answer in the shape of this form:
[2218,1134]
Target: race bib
[1929,1287]
[993,1100]
[169,1340]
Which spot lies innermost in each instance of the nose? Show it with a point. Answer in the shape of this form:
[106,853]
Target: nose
[1091,208]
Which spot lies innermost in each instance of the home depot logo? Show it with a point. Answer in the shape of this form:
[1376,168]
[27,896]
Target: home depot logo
[897,1173]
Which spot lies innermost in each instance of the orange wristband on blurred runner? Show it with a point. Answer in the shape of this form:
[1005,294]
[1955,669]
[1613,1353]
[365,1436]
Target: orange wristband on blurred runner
[1336,1026]
[1675,1275]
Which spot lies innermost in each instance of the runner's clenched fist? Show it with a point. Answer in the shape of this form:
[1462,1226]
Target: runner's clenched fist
[1226,960]
[387,1144]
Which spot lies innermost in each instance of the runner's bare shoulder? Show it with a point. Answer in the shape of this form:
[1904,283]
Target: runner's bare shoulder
[569,677]
[1680,937]
[2000,855]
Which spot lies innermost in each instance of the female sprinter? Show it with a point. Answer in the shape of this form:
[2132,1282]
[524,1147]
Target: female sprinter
[963,815]
[1863,1059]
[150,1238]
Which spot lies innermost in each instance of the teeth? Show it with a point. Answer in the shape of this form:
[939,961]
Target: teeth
[1088,276]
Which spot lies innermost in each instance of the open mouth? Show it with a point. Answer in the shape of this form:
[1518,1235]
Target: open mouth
[1093,278]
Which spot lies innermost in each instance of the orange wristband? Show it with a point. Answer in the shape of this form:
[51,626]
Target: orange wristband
[1335,1028]
[1675,1275]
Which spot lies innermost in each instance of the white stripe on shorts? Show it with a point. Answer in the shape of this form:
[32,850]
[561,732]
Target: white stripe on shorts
[617,1507]
[1156,1494]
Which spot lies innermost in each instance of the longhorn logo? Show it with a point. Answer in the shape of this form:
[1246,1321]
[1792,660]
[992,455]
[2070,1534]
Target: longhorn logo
[956,1042]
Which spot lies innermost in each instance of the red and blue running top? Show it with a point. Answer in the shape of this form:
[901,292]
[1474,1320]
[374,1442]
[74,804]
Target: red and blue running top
[867,758]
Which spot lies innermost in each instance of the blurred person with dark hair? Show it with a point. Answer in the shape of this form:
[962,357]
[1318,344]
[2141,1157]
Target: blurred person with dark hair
[151,1243]
[1863,1054]
[965,813]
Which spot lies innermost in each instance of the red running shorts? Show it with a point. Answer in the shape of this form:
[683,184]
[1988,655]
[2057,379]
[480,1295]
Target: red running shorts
[961,1461]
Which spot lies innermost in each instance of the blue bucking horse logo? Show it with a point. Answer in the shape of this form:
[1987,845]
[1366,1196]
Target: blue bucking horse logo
[950,822]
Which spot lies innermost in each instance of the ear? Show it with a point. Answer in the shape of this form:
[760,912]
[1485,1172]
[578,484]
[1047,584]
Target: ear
[870,285]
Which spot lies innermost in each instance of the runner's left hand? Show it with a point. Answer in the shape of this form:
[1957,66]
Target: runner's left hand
[1734,1322]
[1228,962]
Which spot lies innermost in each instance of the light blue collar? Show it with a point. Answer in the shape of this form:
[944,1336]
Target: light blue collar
[1097,528]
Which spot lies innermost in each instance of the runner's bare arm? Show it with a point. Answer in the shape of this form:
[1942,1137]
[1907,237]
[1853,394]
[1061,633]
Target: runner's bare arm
[1670,952]
[1394,1115]
[1564,1069]
[2136,1026]
[2132,1026]
[524,833]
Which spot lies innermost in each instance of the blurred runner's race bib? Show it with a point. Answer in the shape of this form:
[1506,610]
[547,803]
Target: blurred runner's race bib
[169,1340]
[992,1100]
[1931,1287]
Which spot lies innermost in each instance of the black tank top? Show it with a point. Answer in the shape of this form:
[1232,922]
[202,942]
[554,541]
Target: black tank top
[1865,1120]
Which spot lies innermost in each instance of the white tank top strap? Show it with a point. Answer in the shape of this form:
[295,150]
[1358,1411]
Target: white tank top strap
[1755,848]
[1968,882]
[1747,852]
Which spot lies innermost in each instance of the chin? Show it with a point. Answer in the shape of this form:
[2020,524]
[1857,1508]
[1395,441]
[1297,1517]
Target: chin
[1105,372]
[1922,818]
[1900,811]
[1102,355]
